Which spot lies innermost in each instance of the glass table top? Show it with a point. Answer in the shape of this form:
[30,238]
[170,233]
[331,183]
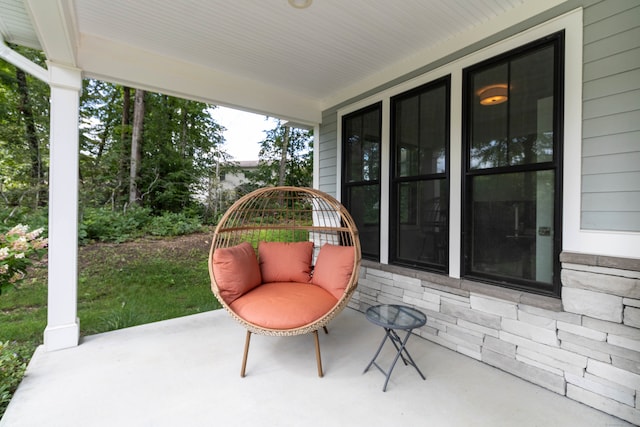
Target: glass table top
[395,316]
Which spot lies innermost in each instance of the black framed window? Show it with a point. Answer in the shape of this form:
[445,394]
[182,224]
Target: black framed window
[419,229]
[512,136]
[361,143]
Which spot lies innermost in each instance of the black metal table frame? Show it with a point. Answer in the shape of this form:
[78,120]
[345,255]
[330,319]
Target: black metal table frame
[400,345]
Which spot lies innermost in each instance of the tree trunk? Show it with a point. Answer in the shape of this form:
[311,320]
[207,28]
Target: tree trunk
[283,156]
[125,134]
[136,147]
[30,134]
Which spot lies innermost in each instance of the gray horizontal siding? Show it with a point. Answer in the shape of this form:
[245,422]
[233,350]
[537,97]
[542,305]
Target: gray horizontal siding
[619,103]
[616,43]
[620,181]
[611,117]
[610,66]
[611,84]
[622,122]
[328,152]
[623,16]
[614,221]
[593,201]
[610,144]
[602,10]
[611,163]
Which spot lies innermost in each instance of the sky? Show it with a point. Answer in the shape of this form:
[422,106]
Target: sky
[244,131]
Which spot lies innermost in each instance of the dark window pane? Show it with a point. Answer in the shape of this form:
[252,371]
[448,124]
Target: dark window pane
[433,131]
[362,140]
[531,108]
[421,132]
[420,128]
[363,202]
[407,131]
[361,136]
[489,126]
[422,235]
[512,112]
[512,225]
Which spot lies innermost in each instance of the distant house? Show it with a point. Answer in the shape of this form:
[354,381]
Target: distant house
[230,181]
[225,186]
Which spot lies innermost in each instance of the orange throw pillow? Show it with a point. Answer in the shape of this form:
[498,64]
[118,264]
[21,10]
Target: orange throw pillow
[285,262]
[236,271]
[333,268]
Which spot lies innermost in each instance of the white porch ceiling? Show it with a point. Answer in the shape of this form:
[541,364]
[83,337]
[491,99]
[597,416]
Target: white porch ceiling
[259,55]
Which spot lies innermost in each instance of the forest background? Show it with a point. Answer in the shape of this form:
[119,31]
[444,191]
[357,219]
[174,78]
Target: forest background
[144,157]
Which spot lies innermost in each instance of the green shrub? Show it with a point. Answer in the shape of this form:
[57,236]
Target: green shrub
[106,225]
[173,224]
[12,367]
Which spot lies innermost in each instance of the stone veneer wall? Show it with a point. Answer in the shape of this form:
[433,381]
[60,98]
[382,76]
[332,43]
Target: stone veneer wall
[585,346]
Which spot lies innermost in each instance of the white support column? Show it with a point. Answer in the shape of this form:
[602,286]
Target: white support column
[63,325]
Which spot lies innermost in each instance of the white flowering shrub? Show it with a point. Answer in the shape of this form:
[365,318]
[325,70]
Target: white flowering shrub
[18,246]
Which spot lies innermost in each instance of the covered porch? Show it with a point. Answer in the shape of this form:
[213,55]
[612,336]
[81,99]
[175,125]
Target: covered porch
[185,371]
[311,67]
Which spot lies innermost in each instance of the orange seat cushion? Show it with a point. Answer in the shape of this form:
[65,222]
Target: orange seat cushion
[236,270]
[285,262]
[284,305]
[334,268]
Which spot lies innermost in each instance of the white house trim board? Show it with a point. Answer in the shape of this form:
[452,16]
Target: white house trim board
[23,63]
[63,326]
[455,179]
[605,243]
[339,152]
[55,26]
[385,185]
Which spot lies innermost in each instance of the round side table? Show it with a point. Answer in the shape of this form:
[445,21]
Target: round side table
[393,317]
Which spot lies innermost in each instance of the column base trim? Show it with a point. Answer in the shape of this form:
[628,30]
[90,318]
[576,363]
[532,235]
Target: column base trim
[61,337]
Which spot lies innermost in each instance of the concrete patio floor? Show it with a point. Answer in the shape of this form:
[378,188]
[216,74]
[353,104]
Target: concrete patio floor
[185,372]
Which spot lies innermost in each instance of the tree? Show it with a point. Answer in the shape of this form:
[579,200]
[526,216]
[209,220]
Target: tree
[282,169]
[136,147]
[125,135]
[24,129]
[177,140]
[159,152]
[286,158]
[104,160]
[185,144]
[26,112]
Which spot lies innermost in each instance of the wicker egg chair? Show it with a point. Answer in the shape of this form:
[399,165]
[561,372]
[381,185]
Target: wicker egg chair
[288,214]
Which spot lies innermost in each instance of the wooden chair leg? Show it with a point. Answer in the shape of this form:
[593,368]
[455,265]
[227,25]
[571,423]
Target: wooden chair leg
[326,331]
[318,359]
[246,353]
